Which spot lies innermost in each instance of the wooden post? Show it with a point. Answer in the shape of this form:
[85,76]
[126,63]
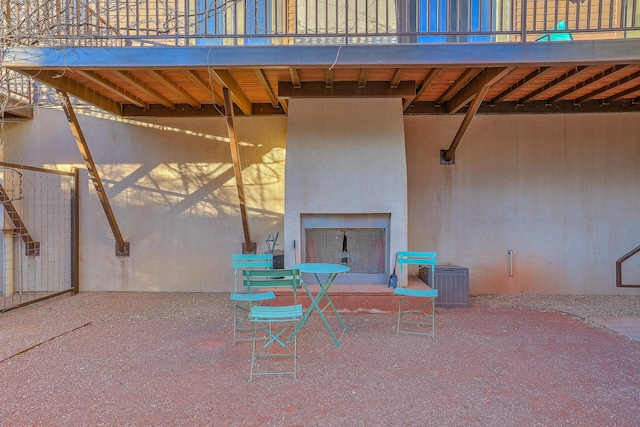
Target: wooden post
[122,247]
[447,156]
[237,169]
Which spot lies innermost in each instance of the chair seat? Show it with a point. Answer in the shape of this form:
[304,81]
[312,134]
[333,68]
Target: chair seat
[287,312]
[253,297]
[411,292]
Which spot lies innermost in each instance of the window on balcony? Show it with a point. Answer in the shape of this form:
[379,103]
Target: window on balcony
[442,16]
[253,19]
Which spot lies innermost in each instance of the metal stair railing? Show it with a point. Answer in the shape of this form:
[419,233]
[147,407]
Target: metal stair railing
[619,262]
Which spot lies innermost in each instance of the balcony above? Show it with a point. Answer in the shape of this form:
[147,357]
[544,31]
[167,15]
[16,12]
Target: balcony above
[158,58]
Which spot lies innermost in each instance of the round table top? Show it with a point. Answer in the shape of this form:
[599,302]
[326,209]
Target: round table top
[321,268]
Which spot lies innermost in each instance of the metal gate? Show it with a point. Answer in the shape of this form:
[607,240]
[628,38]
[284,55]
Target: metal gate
[39,254]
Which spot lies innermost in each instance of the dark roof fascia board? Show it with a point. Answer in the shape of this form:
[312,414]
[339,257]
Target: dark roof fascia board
[418,55]
[532,107]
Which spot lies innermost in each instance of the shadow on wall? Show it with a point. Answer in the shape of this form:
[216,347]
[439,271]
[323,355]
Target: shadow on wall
[176,176]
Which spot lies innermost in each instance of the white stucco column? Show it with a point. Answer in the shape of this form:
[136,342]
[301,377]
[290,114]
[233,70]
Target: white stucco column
[345,156]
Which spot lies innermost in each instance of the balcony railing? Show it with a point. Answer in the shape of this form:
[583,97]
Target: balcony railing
[250,22]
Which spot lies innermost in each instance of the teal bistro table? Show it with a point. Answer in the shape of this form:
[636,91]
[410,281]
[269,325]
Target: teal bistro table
[321,271]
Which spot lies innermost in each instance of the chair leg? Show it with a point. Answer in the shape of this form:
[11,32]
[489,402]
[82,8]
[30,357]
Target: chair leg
[236,321]
[418,310]
[295,358]
[277,339]
[399,316]
[253,354]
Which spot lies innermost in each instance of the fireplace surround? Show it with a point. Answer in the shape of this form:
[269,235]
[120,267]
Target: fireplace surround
[345,169]
[359,241]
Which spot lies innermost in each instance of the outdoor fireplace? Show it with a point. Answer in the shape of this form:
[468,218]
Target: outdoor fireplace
[359,241]
[346,186]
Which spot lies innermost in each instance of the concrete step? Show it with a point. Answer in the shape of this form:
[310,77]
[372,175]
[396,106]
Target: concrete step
[354,298]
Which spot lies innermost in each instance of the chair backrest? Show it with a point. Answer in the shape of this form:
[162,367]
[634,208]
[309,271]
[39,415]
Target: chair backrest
[272,278]
[562,25]
[429,259]
[249,261]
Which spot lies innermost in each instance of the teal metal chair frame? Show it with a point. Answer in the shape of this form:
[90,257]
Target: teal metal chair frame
[562,25]
[241,300]
[263,319]
[421,314]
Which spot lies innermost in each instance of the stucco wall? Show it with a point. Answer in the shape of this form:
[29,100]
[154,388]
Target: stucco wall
[561,191]
[172,188]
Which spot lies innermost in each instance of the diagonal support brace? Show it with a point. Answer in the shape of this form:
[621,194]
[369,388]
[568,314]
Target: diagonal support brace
[122,247]
[237,169]
[446,157]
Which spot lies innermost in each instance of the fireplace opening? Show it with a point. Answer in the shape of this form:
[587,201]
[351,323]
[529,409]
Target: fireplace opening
[362,249]
[359,241]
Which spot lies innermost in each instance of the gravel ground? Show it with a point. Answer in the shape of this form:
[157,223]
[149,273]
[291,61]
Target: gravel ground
[584,306]
[135,359]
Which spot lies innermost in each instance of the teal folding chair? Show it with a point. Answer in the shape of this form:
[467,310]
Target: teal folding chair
[417,307]
[556,36]
[241,300]
[271,324]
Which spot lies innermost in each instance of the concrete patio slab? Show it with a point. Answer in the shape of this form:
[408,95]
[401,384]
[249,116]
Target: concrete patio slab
[627,326]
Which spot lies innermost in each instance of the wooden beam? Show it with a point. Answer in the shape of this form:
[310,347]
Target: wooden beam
[588,82]
[428,80]
[144,88]
[362,79]
[225,79]
[262,78]
[346,90]
[206,87]
[206,110]
[173,87]
[329,78]
[608,87]
[473,108]
[460,82]
[397,77]
[485,79]
[57,80]
[122,247]
[237,169]
[101,81]
[539,72]
[295,78]
[284,104]
[569,74]
[536,107]
[622,94]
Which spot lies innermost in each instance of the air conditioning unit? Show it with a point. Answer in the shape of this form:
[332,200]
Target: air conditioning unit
[452,283]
